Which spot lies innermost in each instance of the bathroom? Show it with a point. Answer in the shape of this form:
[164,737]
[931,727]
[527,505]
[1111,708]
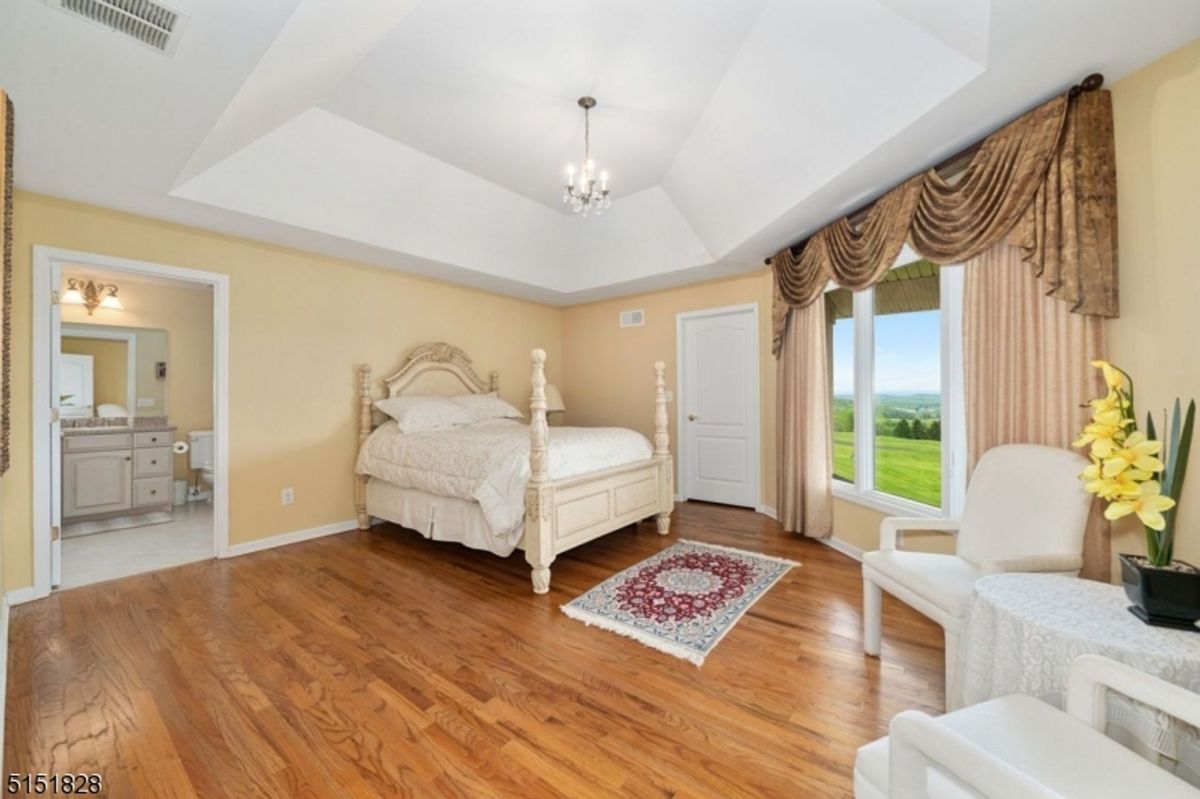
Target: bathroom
[135,391]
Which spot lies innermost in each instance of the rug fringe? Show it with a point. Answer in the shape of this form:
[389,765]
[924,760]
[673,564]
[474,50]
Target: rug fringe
[739,551]
[645,639]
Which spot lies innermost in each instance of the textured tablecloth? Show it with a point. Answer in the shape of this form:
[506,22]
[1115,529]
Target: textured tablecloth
[1022,631]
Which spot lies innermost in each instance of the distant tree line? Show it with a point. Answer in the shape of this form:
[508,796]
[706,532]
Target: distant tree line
[917,429]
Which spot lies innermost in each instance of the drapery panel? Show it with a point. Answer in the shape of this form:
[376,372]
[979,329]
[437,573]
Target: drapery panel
[1027,370]
[805,436]
[1046,181]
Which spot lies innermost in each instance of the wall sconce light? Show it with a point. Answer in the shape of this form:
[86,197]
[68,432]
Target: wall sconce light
[91,295]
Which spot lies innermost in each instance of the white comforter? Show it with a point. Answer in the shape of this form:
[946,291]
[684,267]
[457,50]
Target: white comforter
[488,462]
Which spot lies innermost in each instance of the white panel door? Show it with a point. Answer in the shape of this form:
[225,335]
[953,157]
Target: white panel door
[55,432]
[719,363]
[75,384]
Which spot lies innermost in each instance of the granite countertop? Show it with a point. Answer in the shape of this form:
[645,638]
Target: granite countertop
[140,424]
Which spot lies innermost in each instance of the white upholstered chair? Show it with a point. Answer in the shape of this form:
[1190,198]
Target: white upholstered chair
[1025,511]
[1017,747]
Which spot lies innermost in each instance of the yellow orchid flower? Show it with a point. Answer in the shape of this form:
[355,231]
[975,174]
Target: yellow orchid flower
[1110,488]
[1113,400]
[1113,417]
[1112,375]
[1137,452]
[1148,504]
[1104,438]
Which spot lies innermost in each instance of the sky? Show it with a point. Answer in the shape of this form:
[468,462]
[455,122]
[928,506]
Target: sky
[907,354]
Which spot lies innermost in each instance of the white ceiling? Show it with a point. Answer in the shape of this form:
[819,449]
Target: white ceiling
[431,135]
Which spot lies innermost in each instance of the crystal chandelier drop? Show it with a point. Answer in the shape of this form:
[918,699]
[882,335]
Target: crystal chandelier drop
[589,194]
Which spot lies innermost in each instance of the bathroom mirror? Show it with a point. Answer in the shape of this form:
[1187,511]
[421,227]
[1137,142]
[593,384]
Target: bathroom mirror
[113,371]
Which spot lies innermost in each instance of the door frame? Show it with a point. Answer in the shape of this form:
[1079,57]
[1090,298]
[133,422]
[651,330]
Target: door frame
[45,258]
[683,488]
[98,332]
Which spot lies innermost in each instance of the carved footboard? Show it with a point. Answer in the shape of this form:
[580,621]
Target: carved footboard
[564,514]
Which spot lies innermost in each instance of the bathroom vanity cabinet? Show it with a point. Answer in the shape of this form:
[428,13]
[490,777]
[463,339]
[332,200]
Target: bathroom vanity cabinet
[120,471]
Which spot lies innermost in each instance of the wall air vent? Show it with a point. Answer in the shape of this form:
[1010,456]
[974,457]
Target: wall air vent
[151,23]
[633,318]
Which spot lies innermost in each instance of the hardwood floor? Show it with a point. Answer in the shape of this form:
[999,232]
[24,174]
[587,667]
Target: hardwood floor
[381,664]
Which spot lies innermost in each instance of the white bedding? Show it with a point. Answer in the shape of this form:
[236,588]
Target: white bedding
[488,462]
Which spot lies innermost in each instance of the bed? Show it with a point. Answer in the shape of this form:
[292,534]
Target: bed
[477,486]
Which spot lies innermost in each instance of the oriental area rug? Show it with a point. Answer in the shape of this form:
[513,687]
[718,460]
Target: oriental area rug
[683,600]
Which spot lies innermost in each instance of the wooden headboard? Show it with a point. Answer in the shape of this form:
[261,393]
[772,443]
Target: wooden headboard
[441,370]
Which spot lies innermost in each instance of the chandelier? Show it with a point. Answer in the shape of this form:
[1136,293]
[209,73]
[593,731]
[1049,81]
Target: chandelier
[587,196]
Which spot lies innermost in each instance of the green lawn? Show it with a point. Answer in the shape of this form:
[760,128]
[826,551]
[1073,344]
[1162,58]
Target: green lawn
[904,467]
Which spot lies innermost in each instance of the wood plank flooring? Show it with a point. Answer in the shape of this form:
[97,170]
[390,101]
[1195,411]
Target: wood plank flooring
[380,664]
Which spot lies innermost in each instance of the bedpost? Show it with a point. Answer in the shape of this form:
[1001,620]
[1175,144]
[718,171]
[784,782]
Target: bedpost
[364,430]
[494,383]
[662,450]
[539,497]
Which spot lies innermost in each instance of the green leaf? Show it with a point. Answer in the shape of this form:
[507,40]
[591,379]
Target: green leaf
[1180,452]
[1150,434]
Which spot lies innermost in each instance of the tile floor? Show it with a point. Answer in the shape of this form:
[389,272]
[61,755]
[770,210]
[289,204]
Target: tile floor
[107,556]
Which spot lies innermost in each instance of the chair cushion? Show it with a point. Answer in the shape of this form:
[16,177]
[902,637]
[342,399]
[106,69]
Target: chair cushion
[1052,747]
[944,580]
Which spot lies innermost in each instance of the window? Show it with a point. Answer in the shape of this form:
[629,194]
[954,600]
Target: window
[908,384]
[839,313]
[896,374]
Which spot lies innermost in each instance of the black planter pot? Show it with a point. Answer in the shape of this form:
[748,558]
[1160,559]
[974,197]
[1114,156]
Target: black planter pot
[1162,597]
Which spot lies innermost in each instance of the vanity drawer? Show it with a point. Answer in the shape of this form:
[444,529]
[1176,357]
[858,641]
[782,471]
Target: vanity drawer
[152,462]
[159,438]
[97,441]
[151,491]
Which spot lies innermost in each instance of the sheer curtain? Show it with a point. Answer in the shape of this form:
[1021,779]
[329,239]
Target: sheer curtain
[805,435]
[1027,369]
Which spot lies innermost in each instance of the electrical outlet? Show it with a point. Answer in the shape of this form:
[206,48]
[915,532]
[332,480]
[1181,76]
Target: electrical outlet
[287,496]
[670,396]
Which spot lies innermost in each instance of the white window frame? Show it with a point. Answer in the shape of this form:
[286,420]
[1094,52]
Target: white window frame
[953,422]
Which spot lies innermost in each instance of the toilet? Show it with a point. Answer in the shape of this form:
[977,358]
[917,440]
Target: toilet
[200,457]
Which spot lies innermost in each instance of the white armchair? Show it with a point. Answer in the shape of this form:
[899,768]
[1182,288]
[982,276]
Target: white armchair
[1017,747]
[1025,511]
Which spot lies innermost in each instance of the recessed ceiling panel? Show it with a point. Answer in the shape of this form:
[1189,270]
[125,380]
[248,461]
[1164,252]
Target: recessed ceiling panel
[491,87]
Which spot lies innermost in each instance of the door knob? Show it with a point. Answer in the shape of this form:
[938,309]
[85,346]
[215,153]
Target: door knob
[692,417]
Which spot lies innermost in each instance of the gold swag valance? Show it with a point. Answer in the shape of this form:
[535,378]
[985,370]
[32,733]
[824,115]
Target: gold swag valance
[1046,181]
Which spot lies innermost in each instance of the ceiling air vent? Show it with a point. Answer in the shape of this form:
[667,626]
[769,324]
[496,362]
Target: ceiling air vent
[633,318]
[153,24]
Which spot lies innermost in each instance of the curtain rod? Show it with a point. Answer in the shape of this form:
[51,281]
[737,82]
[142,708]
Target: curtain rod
[952,165]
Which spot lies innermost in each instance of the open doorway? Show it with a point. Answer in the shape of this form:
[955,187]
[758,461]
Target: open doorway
[131,376]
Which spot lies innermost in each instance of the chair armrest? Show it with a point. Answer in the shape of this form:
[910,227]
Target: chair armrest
[918,743]
[1033,563]
[1092,676]
[890,526]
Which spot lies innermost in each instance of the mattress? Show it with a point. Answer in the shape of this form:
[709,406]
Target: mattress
[488,463]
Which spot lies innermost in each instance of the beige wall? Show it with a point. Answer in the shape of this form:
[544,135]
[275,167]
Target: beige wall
[110,367]
[185,314]
[296,336]
[1157,121]
[609,376]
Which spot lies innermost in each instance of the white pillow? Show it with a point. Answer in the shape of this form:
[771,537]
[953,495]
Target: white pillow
[415,414]
[482,407]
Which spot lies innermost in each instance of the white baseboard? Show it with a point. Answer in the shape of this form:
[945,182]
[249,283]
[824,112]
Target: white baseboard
[846,549]
[19,596]
[768,511]
[283,539]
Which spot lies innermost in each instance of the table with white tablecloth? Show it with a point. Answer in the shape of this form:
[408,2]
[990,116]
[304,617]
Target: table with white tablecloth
[1021,632]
